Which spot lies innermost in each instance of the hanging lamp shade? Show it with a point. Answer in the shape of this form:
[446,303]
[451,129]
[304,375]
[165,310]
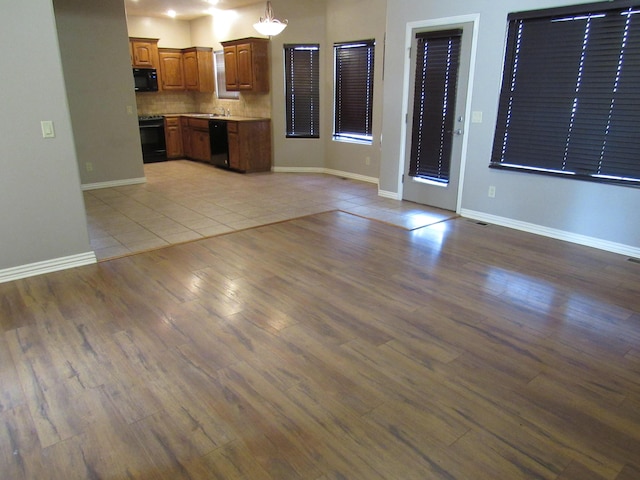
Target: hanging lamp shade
[268,25]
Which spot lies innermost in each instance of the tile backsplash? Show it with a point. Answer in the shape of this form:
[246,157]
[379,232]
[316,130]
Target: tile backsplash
[158,103]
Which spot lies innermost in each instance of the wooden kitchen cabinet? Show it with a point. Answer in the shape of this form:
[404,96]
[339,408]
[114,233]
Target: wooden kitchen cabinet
[249,145]
[186,136]
[144,52]
[200,148]
[173,137]
[246,63]
[198,69]
[171,69]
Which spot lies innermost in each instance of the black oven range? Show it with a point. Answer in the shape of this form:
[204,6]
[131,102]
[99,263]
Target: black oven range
[152,139]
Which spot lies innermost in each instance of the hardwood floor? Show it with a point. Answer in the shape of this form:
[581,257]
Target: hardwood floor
[327,347]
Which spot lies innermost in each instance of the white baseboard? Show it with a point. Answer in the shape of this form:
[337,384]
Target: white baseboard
[328,171]
[391,195]
[114,183]
[600,244]
[47,266]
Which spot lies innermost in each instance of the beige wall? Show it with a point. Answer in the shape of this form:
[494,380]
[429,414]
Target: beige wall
[171,33]
[97,72]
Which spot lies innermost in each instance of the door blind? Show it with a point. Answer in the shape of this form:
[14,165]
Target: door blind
[436,79]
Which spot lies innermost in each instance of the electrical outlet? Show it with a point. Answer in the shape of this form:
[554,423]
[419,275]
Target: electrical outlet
[367,160]
[492,191]
[129,110]
[89,166]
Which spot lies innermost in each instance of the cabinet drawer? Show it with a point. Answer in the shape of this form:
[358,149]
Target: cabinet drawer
[199,123]
[172,121]
[232,127]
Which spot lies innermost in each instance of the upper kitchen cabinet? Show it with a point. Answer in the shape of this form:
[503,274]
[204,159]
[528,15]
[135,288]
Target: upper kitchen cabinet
[198,69]
[171,69]
[246,63]
[186,69]
[144,52]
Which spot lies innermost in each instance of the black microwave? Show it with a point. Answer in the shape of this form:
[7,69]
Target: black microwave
[145,79]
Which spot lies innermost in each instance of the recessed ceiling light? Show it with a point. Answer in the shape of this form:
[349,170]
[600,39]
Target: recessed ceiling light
[171,13]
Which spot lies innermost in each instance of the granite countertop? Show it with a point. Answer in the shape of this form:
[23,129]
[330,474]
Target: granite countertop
[217,116]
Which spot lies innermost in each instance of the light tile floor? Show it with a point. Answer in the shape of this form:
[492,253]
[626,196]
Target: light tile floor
[184,201]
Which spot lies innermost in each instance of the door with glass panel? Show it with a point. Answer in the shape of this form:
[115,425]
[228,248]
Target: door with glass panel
[440,60]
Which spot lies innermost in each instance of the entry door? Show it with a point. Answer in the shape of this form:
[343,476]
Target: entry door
[440,61]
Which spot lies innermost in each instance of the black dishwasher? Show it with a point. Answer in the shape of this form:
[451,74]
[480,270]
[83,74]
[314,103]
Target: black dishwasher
[219,143]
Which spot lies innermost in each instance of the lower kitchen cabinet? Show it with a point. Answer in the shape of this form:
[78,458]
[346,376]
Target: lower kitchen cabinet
[186,136]
[173,137]
[200,147]
[249,145]
[249,142]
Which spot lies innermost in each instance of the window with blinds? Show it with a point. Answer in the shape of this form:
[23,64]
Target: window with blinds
[353,106]
[434,101]
[570,93]
[302,90]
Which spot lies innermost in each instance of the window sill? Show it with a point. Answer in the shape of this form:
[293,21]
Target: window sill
[358,141]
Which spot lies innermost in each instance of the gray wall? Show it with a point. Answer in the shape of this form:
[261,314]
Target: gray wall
[42,215]
[602,212]
[306,25]
[349,20]
[97,70]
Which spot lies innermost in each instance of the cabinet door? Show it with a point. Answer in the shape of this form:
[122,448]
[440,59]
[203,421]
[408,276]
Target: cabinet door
[235,154]
[190,64]
[245,66]
[171,70]
[143,53]
[231,68]
[173,137]
[198,69]
[186,137]
[200,148]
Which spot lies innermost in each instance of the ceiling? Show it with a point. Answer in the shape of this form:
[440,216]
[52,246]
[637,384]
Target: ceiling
[185,9]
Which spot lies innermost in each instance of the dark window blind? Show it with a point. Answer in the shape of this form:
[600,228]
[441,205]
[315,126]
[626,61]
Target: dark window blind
[302,90]
[354,63]
[570,91]
[436,79]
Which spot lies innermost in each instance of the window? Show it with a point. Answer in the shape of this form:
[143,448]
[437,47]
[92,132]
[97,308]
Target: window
[221,84]
[302,90]
[353,90]
[570,90]
[434,101]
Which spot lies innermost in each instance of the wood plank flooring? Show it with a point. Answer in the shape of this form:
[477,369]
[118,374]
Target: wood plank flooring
[327,347]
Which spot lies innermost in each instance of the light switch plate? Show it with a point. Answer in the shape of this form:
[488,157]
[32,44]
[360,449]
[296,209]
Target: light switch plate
[476,117]
[47,129]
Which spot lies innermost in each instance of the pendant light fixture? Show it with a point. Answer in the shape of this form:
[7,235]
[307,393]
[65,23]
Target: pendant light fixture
[268,25]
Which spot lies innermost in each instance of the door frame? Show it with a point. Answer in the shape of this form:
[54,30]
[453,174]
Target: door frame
[406,84]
